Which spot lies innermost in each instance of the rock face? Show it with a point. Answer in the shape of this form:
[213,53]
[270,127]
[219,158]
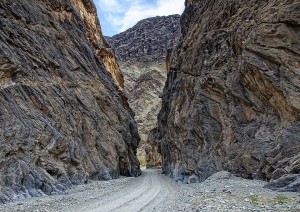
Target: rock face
[142,52]
[148,40]
[232,97]
[64,118]
[288,182]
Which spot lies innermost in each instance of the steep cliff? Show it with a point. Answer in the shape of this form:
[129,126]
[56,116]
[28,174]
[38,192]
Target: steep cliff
[232,97]
[64,118]
[141,51]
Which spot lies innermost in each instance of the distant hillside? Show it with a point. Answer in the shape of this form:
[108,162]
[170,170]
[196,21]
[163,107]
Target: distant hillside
[148,39]
[141,51]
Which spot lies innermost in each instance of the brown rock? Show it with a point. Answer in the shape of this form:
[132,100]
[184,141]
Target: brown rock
[64,118]
[153,154]
[278,173]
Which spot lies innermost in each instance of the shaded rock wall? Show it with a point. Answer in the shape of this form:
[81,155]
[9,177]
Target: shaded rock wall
[232,97]
[63,116]
[152,150]
[141,51]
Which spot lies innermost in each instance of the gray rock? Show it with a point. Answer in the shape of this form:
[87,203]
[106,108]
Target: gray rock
[61,100]
[232,98]
[220,176]
[148,40]
[287,183]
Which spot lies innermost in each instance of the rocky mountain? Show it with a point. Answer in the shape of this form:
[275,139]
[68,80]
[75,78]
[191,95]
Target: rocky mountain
[147,40]
[64,117]
[142,52]
[232,97]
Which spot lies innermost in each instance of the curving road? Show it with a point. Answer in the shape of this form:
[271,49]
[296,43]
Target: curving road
[146,194]
[150,192]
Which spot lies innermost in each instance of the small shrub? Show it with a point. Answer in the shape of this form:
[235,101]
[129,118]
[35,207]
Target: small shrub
[281,198]
[254,199]
[142,160]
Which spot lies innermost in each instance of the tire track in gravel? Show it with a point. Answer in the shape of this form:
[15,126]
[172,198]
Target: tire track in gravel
[144,195]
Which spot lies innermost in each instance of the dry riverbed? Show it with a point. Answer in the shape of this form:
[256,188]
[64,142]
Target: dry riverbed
[156,192]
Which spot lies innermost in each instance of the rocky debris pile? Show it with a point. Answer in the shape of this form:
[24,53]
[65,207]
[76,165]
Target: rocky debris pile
[142,51]
[223,191]
[64,118]
[232,97]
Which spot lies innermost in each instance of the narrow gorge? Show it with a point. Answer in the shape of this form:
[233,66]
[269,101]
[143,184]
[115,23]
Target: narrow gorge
[208,100]
[142,54]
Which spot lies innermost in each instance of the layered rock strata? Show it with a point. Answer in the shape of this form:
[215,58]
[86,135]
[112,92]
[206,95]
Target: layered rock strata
[141,51]
[232,97]
[64,118]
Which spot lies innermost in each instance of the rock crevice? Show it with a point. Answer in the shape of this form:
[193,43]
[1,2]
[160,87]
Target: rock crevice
[142,51]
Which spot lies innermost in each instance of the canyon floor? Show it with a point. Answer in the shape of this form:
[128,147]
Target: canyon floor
[156,192]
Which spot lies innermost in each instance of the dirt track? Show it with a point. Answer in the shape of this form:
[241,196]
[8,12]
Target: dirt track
[156,192]
[150,192]
[146,194]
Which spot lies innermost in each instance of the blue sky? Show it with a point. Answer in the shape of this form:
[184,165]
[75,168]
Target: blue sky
[118,15]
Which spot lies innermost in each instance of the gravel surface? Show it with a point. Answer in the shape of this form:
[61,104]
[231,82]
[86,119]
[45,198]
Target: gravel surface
[156,192]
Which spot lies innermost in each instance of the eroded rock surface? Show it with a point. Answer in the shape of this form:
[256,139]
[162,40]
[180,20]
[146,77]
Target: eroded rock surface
[232,98]
[142,51]
[148,39]
[64,118]
[288,182]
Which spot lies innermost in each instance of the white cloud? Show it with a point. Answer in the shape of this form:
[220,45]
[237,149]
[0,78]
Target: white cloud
[139,11]
[123,14]
[107,4]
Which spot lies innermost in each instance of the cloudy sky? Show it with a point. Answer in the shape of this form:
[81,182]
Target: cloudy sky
[118,15]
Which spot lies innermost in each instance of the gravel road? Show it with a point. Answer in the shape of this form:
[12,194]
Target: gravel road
[145,194]
[156,192]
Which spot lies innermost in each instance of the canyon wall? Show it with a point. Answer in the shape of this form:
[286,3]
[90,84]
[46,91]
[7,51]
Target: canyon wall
[64,118]
[142,52]
[232,97]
